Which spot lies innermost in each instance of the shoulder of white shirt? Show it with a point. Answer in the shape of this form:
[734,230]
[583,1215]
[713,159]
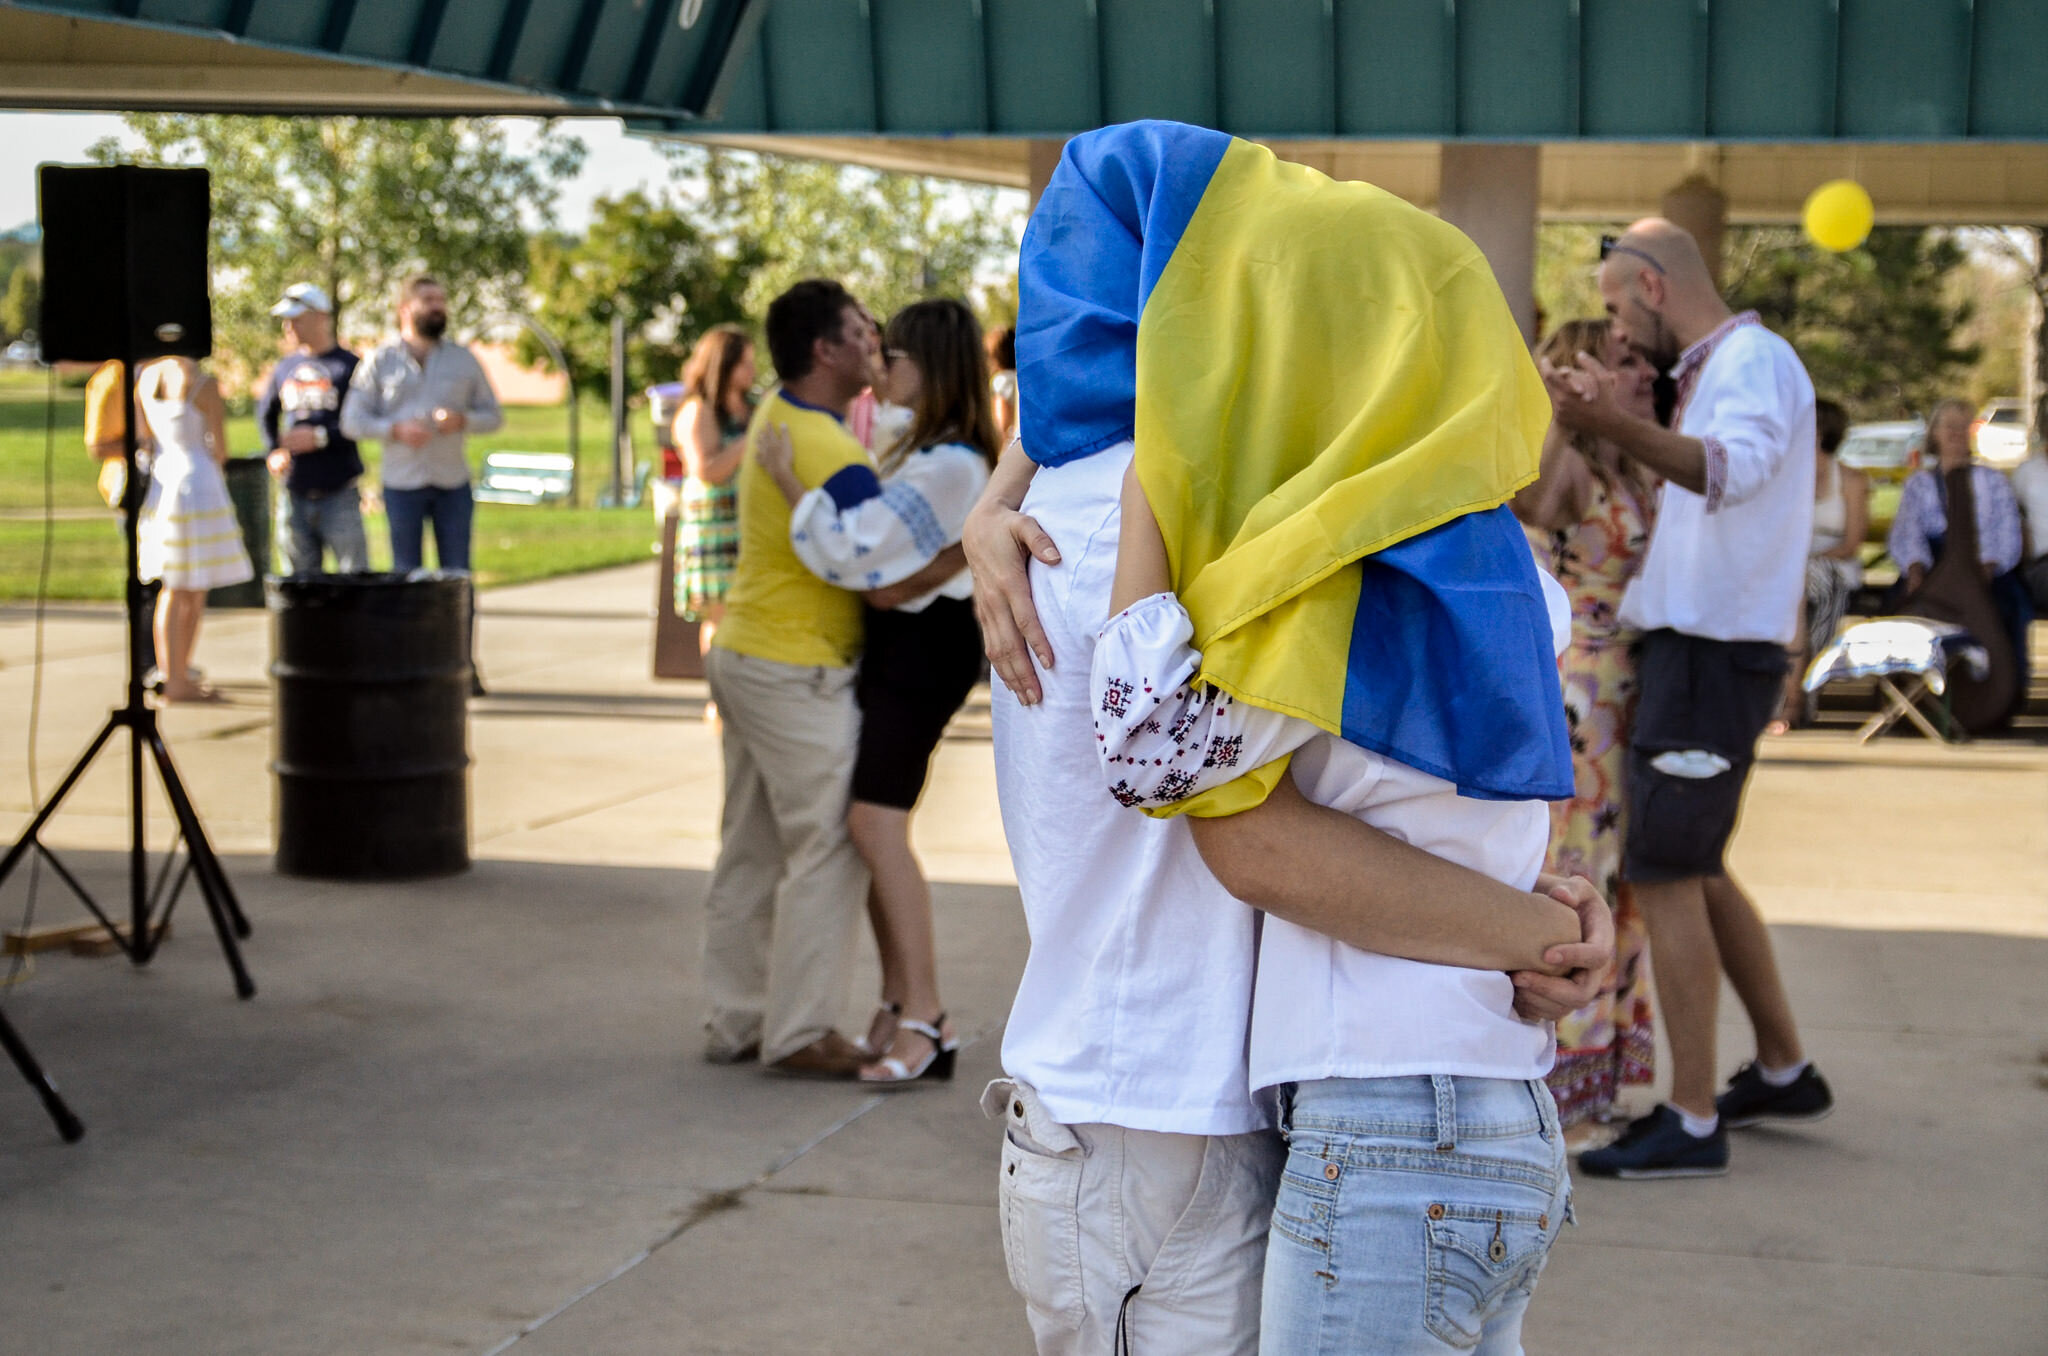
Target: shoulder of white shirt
[1748,345]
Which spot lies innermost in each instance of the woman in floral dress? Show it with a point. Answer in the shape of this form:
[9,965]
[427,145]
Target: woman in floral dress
[1589,516]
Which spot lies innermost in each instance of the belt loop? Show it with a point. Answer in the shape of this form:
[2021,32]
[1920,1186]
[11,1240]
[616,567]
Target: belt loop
[1446,1112]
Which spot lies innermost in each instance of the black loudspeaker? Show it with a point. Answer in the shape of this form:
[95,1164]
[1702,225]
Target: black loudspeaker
[124,263]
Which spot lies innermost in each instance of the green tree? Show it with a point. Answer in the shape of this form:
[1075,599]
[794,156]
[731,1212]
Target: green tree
[2025,252]
[18,254]
[1567,254]
[890,238]
[1875,326]
[645,260]
[21,310]
[354,204]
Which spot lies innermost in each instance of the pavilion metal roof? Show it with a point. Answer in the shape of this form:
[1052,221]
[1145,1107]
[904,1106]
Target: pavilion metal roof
[1629,70]
[655,58]
[1549,70]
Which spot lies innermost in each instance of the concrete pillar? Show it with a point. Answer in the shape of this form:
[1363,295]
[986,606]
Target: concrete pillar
[1042,158]
[1490,193]
[1702,209]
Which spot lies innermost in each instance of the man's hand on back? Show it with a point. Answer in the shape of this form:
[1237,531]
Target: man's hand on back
[1581,967]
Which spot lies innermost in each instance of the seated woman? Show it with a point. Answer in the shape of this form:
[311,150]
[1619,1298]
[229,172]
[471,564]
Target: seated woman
[1920,530]
[1834,558]
[923,655]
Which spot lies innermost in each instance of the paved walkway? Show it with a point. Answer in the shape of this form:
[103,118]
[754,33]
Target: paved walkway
[466,1113]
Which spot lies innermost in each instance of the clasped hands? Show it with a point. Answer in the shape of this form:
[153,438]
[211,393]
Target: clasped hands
[420,432]
[1582,395]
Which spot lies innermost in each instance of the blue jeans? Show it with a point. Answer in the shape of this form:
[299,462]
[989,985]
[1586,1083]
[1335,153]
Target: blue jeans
[334,521]
[1414,1215]
[408,512]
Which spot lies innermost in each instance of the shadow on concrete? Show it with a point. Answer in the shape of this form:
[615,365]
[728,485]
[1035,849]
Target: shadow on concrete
[460,1108]
[452,1106]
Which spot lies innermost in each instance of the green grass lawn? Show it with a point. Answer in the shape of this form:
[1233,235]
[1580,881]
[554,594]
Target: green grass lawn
[511,543]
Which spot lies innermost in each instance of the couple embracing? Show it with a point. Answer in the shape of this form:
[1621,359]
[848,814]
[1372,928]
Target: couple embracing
[1273,644]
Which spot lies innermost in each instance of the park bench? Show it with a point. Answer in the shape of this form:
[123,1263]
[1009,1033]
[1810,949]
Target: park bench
[526,478]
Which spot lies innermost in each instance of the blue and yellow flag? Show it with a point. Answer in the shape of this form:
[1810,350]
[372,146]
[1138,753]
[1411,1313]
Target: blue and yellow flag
[1331,405]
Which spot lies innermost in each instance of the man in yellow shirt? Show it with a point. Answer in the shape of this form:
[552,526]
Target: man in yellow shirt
[786,897]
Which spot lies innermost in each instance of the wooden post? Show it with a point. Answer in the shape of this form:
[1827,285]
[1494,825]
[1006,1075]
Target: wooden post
[675,638]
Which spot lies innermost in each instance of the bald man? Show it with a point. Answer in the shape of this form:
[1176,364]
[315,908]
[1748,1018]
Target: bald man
[1717,602]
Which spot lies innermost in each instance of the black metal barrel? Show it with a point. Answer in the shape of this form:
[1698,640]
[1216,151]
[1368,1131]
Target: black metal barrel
[248,481]
[372,743]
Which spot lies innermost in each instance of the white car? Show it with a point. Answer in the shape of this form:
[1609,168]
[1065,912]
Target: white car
[1999,437]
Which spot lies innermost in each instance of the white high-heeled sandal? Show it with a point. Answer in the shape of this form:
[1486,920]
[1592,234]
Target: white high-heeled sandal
[937,1064]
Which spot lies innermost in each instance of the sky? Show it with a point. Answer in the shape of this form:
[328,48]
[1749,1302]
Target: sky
[615,163]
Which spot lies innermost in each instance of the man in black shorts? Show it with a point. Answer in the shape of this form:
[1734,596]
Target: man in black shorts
[1717,602]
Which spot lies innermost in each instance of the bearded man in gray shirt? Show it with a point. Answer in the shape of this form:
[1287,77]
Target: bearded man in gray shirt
[421,396]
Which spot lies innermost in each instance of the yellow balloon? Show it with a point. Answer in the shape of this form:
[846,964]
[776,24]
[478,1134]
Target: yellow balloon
[1838,215]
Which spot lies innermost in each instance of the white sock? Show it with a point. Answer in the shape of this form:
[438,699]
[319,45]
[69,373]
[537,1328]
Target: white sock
[1781,1078]
[1699,1127]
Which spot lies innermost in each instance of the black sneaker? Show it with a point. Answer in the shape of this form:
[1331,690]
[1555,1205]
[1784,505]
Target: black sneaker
[1751,1101]
[1657,1145]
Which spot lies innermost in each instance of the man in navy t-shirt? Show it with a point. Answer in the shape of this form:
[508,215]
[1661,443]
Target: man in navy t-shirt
[301,419]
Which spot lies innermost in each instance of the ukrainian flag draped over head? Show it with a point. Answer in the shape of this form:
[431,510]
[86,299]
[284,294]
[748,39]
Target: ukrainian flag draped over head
[1331,405]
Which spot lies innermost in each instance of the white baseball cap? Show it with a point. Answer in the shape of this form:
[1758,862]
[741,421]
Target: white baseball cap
[300,298]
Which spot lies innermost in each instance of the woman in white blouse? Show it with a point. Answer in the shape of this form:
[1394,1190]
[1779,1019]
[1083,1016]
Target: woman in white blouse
[867,531]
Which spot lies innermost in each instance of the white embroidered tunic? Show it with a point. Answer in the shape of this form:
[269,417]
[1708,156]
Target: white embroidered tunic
[862,532]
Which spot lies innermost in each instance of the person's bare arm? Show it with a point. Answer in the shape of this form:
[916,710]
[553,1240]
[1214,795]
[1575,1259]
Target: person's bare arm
[1856,513]
[1557,497]
[999,542]
[214,410]
[1334,874]
[944,566]
[1582,399]
[1141,566]
[1331,873]
[705,457]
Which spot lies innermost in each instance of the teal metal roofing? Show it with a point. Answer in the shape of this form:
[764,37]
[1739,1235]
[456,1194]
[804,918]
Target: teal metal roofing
[658,58]
[1886,70]
[1771,70]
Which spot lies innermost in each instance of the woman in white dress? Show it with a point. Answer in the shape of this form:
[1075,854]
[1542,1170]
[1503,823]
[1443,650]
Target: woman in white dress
[187,535]
[865,531]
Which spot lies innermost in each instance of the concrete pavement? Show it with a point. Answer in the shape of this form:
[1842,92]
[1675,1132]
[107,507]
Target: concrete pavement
[467,1115]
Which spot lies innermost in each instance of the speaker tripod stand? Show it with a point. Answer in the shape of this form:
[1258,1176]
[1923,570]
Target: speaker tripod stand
[149,903]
